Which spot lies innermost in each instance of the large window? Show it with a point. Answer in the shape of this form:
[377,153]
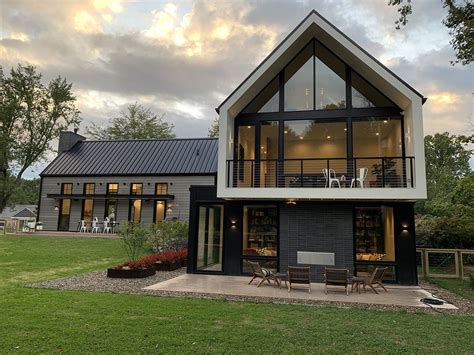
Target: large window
[299,82]
[111,209]
[260,231]
[377,137]
[365,95]
[315,139]
[267,101]
[210,238]
[269,153]
[330,81]
[89,189]
[135,211]
[243,172]
[374,234]
[136,189]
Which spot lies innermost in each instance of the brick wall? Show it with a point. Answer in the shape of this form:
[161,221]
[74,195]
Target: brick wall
[316,228]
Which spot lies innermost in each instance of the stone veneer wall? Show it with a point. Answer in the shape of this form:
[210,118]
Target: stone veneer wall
[316,228]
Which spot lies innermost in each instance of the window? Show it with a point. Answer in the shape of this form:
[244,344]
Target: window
[330,81]
[66,189]
[135,211]
[137,189]
[245,151]
[89,189]
[161,188]
[268,153]
[64,214]
[111,209]
[112,188]
[260,231]
[374,234]
[267,101]
[299,82]
[365,95]
[315,139]
[210,238]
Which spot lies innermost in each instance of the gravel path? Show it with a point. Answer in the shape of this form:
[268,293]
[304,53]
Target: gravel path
[99,282]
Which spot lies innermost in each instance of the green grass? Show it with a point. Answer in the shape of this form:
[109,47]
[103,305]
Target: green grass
[461,287]
[38,321]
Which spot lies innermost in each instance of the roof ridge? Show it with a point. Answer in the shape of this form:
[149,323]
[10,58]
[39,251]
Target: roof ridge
[149,140]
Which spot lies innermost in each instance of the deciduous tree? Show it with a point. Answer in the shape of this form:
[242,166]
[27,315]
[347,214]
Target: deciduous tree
[32,114]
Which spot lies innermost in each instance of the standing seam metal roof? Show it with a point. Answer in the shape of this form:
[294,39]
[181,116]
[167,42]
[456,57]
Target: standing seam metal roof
[196,156]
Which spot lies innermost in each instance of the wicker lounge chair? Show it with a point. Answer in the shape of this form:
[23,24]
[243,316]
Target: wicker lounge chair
[336,277]
[259,273]
[373,280]
[299,275]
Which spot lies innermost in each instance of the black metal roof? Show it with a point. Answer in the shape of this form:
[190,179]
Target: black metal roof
[196,156]
[25,213]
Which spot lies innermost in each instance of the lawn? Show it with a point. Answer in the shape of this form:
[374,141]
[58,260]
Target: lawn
[461,287]
[37,321]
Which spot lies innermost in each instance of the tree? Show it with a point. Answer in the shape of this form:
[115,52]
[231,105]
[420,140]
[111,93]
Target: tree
[459,21]
[214,129]
[137,122]
[26,193]
[447,162]
[32,114]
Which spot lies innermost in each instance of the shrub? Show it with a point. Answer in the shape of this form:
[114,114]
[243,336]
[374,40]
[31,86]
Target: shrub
[169,235]
[445,232]
[168,257]
[471,278]
[134,236]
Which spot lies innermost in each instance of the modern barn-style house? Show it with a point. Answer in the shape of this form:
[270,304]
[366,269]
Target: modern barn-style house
[320,162]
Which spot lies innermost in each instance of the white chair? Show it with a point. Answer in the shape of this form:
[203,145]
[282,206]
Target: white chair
[330,177]
[107,228]
[361,178]
[83,228]
[95,225]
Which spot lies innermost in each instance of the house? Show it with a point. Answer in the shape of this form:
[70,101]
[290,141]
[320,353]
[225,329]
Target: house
[20,215]
[320,161]
[125,180]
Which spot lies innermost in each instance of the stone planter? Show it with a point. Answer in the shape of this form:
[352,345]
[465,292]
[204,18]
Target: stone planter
[167,267]
[130,273]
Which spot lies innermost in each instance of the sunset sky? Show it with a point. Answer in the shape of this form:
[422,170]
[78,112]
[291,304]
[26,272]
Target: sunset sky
[182,58]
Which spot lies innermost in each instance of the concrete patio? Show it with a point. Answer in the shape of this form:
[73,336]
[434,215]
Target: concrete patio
[405,296]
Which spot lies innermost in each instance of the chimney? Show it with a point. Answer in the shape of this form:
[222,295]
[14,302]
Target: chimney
[67,139]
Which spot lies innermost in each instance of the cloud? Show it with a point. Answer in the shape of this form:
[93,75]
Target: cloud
[182,58]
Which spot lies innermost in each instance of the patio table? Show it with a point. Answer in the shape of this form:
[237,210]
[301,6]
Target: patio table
[278,278]
[357,282]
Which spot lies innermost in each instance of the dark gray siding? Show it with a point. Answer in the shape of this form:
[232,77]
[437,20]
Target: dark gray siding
[316,228]
[177,186]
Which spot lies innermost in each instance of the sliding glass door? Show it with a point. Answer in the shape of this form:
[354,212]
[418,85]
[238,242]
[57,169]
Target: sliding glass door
[210,238]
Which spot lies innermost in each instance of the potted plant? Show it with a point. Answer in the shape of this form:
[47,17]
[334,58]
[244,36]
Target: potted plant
[134,237]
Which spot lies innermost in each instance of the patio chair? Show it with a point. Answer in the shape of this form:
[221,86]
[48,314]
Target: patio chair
[259,273]
[375,280]
[95,225]
[330,176]
[336,277]
[83,228]
[107,228]
[361,178]
[299,275]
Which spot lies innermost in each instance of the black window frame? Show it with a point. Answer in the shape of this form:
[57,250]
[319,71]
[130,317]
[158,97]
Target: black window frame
[161,184]
[108,192]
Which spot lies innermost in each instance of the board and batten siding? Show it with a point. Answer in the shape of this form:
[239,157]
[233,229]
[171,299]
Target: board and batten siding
[177,186]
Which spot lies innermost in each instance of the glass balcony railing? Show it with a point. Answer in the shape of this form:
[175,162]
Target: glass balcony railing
[372,172]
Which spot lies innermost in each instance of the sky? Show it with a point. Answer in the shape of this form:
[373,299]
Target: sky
[183,58]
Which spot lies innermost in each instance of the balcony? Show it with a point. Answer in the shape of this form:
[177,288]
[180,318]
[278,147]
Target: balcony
[371,172]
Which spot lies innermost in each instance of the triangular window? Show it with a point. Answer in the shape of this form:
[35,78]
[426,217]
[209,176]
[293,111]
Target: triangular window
[267,101]
[365,95]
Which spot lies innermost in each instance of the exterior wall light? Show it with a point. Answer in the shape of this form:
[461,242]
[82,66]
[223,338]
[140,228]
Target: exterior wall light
[56,208]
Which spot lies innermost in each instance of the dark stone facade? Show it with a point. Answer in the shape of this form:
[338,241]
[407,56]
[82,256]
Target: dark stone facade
[317,228]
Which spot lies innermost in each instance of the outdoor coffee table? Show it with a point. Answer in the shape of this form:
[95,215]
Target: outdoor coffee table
[278,278]
[357,282]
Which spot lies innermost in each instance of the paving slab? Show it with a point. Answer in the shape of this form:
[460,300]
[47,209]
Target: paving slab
[408,296]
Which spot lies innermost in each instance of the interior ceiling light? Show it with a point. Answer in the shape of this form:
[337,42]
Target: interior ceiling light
[377,133]
[328,137]
[385,121]
[249,126]
[345,129]
[301,137]
[286,132]
[291,202]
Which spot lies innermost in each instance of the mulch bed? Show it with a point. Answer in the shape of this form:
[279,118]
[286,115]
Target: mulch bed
[98,282]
